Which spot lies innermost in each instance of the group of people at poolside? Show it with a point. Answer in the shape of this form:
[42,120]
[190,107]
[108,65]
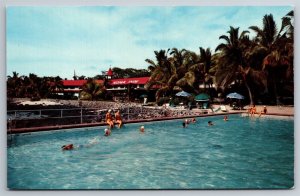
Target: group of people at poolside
[252,111]
[111,122]
[107,131]
[118,120]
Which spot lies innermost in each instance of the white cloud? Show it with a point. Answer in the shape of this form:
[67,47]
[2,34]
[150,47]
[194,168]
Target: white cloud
[62,39]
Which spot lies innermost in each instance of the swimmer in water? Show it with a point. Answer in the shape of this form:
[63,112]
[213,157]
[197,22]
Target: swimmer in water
[107,132]
[187,121]
[142,129]
[225,118]
[72,146]
[210,123]
[67,147]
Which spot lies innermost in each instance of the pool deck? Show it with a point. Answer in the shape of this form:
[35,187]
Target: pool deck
[272,111]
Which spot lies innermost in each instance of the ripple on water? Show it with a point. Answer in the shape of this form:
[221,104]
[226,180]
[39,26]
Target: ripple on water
[240,153]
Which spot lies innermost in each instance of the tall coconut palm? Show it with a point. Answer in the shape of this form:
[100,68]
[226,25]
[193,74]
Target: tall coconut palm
[232,60]
[189,73]
[206,61]
[161,73]
[277,48]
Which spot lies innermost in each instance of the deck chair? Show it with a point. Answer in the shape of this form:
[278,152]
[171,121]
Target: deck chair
[223,108]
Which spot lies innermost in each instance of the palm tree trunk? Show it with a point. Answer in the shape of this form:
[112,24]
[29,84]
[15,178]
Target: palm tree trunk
[249,92]
[275,89]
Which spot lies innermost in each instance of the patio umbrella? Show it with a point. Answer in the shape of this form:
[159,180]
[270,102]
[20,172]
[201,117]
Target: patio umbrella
[202,97]
[183,94]
[235,96]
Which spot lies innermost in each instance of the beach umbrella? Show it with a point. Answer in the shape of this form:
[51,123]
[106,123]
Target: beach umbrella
[202,97]
[183,94]
[235,96]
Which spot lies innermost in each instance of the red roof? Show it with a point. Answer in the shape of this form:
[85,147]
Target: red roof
[77,82]
[113,82]
[110,72]
[125,81]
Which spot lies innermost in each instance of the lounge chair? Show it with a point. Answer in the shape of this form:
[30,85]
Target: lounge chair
[223,108]
[216,110]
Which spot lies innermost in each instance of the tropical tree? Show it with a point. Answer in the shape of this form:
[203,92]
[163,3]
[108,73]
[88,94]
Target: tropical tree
[130,72]
[206,64]
[276,47]
[92,90]
[161,73]
[182,68]
[14,85]
[233,64]
[189,72]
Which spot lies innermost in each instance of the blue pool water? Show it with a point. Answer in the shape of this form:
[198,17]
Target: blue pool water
[242,153]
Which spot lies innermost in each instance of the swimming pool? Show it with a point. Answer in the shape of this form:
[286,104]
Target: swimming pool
[242,153]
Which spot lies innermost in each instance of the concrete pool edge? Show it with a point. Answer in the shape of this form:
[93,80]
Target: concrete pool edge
[56,127]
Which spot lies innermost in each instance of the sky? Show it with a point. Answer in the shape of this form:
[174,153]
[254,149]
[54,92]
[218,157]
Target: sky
[55,41]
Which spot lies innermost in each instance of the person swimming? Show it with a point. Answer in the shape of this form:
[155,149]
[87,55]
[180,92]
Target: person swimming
[142,129]
[187,121]
[67,147]
[225,118]
[72,146]
[210,123]
[107,132]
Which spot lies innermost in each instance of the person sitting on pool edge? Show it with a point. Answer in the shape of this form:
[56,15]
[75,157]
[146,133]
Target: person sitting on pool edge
[210,123]
[108,119]
[118,119]
[252,110]
[264,111]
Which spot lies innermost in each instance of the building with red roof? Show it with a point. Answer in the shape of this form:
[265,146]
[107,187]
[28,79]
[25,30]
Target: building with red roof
[119,87]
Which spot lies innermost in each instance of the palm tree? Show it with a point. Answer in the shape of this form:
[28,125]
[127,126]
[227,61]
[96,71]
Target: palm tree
[14,85]
[161,73]
[206,62]
[53,85]
[232,60]
[91,90]
[277,49]
[189,72]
